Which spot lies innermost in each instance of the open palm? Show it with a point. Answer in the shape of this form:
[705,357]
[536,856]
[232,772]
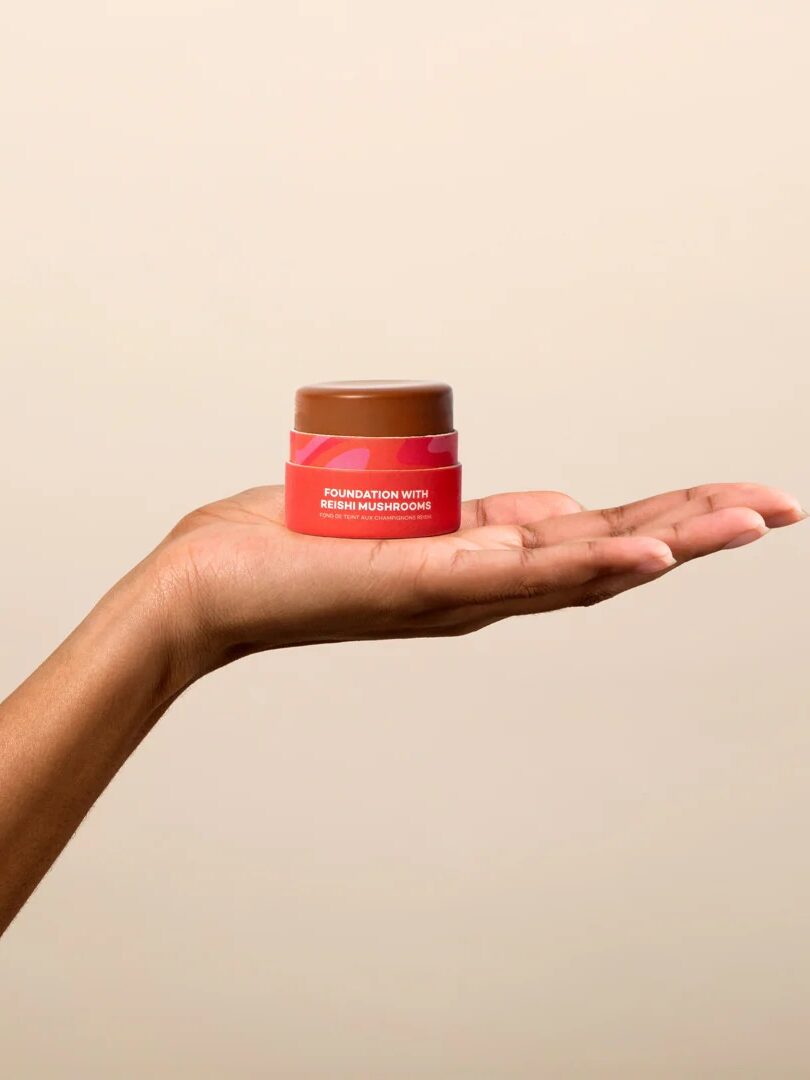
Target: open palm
[248,583]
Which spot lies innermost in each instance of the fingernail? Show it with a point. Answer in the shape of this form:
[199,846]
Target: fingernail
[744,538]
[655,563]
[787,517]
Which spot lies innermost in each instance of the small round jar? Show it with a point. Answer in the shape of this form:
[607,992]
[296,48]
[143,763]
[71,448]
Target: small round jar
[374,460]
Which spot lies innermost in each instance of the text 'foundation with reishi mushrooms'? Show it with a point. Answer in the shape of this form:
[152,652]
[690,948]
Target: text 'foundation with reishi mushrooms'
[374,460]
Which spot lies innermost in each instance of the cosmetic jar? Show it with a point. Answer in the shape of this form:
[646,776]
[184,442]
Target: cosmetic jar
[373,459]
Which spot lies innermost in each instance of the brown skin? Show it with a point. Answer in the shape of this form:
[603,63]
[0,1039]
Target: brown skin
[230,579]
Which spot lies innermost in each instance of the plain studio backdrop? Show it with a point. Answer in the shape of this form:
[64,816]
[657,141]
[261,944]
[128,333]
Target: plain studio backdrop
[571,845]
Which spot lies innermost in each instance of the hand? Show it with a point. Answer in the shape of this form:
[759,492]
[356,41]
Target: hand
[234,580]
[231,579]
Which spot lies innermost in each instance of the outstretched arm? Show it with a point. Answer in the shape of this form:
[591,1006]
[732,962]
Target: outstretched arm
[230,579]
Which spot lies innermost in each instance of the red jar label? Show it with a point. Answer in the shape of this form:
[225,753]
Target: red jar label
[373,503]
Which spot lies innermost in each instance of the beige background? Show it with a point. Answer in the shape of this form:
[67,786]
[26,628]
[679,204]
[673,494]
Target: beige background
[569,846]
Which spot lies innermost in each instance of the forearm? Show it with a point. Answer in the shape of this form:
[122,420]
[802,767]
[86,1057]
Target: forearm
[69,727]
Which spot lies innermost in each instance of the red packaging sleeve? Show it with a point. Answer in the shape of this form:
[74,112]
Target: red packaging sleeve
[372,503]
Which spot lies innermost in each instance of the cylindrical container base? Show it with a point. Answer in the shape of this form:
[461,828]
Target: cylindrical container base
[373,503]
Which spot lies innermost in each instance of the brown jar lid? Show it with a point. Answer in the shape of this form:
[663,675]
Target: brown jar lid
[385,407]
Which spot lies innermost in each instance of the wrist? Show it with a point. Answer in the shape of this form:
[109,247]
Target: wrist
[146,615]
[185,639]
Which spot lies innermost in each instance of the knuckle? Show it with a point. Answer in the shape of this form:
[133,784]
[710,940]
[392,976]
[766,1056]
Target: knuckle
[678,531]
[616,519]
[530,538]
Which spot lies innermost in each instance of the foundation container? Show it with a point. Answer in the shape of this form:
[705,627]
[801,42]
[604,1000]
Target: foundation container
[373,459]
